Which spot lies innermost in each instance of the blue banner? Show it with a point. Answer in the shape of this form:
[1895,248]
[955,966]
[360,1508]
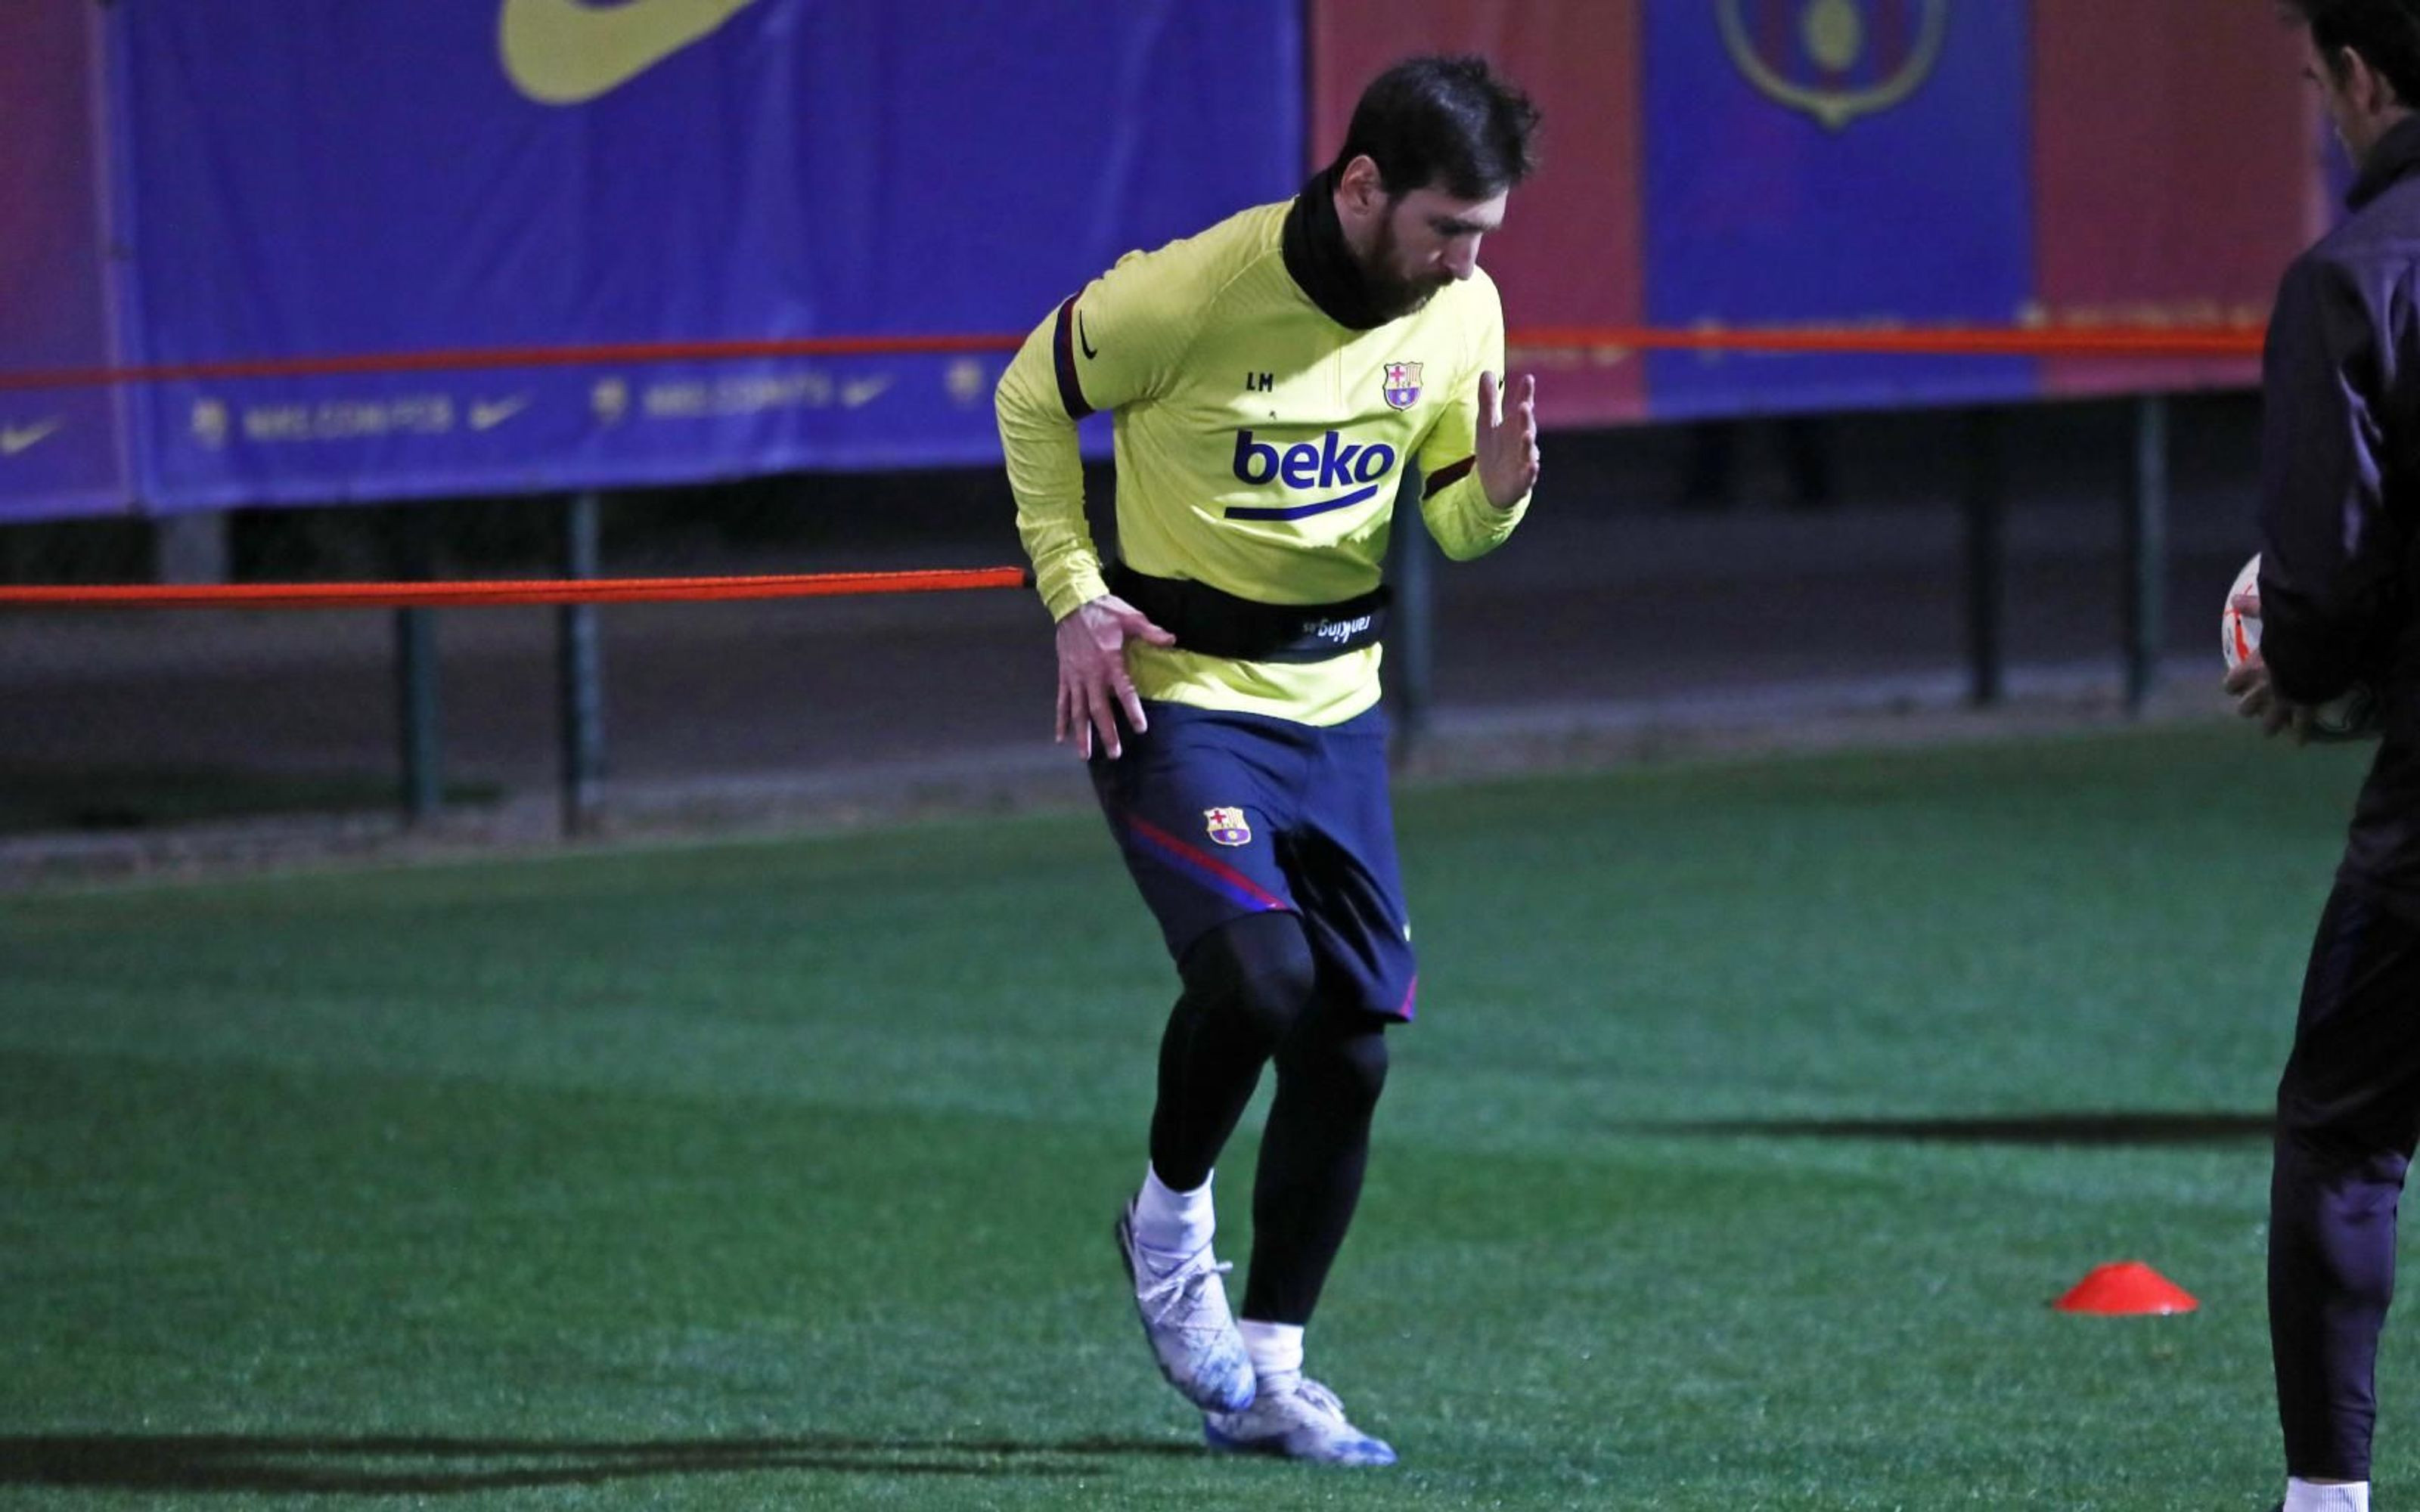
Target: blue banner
[402,176]
[1837,163]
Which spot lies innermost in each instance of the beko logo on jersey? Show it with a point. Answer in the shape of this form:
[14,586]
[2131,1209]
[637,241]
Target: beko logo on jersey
[1330,464]
[1326,463]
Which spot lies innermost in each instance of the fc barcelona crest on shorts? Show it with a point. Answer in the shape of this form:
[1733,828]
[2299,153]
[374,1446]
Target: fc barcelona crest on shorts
[1228,826]
[1402,384]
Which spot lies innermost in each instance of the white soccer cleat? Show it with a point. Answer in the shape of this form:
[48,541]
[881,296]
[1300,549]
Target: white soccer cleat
[1185,1315]
[1295,1417]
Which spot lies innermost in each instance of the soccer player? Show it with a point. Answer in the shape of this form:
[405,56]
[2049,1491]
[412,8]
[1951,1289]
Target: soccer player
[2338,592]
[1272,379]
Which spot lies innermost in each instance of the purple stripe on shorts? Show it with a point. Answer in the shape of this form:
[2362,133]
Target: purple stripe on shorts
[1209,869]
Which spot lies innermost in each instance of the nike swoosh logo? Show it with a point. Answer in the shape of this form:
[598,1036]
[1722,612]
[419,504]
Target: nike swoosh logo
[863,392]
[567,51]
[16,438]
[1082,340]
[489,416]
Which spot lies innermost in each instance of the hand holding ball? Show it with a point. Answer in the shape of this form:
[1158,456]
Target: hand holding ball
[2352,714]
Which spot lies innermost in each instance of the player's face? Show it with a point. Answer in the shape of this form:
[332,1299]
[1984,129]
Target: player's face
[1426,239]
[2359,105]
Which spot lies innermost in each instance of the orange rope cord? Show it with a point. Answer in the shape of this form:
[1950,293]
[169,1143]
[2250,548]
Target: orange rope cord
[1945,341]
[469,359]
[1965,341]
[502,591]
[2138,343]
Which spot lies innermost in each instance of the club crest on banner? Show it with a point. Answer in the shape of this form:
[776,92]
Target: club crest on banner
[1228,826]
[1835,59]
[1402,384]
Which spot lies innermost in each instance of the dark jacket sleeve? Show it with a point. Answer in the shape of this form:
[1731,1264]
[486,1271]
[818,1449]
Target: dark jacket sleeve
[2329,553]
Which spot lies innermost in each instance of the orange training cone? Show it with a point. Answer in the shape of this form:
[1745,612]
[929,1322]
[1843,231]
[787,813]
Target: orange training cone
[2125,1289]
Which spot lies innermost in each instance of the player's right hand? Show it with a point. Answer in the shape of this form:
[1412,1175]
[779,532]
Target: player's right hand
[2248,684]
[1093,681]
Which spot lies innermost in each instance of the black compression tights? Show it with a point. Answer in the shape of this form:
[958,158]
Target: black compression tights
[1251,995]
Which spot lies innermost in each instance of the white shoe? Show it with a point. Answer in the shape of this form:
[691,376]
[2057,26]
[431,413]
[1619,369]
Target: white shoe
[1185,1315]
[1296,1418]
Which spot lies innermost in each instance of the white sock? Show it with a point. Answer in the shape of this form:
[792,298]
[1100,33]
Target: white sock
[1171,1224]
[2304,1496]
[1275,1349]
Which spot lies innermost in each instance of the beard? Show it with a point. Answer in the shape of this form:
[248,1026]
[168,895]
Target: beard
[1393,294]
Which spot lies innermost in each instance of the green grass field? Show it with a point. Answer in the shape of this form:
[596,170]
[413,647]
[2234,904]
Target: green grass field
[1756,1113]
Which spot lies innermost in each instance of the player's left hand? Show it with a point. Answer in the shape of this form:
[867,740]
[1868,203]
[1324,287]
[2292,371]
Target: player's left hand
[1507,439]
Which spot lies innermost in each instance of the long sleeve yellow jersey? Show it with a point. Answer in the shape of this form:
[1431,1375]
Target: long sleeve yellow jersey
[1259,446]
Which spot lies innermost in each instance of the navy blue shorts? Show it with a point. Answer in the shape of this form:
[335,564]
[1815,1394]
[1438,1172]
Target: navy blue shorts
[1222,815]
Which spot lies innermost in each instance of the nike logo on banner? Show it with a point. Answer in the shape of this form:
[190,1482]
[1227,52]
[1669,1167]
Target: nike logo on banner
[565,52]
[489,416]
[858,393]
[1082,340]
[15,439]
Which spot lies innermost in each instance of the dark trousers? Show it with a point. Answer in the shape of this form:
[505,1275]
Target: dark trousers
[2348,1116]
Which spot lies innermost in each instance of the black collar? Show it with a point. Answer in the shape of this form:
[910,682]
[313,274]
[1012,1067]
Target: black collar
[2395,157]
[1316,254]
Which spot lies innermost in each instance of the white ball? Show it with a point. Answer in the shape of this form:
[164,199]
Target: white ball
[2352,714]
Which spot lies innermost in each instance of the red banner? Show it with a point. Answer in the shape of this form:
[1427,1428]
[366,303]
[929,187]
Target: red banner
[2172,176]
[2166,175]
[1570,252]
[61,452]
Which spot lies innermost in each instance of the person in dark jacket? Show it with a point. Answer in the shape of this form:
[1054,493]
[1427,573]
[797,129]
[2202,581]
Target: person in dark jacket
[2340,482]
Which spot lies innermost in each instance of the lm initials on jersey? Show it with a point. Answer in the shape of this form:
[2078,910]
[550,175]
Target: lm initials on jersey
[1307,467]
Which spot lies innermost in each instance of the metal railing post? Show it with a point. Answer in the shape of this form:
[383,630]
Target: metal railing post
[580,659]
[1411,637]
[1985,506]
[418,712]
[2147,550]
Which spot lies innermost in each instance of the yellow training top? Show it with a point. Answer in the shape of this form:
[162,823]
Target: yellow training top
[1259,443]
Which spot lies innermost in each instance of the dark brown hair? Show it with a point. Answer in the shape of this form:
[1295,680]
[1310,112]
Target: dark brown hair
[1444,123]
[2386,34]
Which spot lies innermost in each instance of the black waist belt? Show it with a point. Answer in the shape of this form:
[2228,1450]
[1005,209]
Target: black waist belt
[1215,624]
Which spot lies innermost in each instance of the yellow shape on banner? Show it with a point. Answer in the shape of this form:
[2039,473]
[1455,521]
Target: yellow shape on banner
[1835,33]
[567,51]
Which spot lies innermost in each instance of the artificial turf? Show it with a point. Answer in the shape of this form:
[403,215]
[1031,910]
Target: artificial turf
[1757,1112]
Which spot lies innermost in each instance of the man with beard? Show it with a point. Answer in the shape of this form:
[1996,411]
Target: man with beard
[1270,380]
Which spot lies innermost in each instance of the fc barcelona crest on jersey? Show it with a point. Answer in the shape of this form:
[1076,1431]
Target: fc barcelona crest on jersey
[1402,384]
[1228,826]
